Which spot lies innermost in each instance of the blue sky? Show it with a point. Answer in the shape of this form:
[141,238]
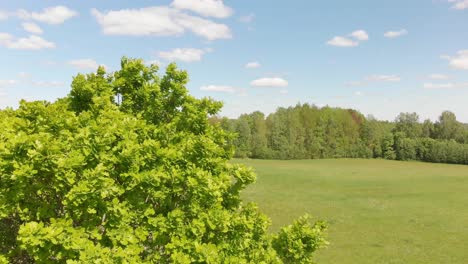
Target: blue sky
[380,57]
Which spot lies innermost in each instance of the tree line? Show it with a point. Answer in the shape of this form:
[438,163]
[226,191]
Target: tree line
[309,132]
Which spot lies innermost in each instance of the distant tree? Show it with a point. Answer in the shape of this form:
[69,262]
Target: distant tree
[306,131]
[405,148]
[259,135]
[296,133]
[427,129]
[244,137]
[388,151]
[278,140]
[408,124]
[447,127]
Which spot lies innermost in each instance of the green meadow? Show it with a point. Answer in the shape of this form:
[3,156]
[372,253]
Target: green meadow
[378,211]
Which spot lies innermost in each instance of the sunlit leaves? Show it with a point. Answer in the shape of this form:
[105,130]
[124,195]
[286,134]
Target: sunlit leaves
[126,169]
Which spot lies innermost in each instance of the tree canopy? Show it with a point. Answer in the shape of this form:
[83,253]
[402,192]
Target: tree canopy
[128,168]
[309,132]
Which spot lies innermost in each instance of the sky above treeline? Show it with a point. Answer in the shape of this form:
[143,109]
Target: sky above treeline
[379,57]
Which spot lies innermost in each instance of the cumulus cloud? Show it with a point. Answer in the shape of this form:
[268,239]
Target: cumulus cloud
[360,35]
[51,15]
[459,4]
[354,39]
[437,76]
[459,61]
[445,85]
[185,55]
[204,28]
[253,65]
[342,42]
[269,82]
[224,89]
[218,88]
[208,8]
[158,21]
[85,64]
[395,34]
[30,43]
[32,28]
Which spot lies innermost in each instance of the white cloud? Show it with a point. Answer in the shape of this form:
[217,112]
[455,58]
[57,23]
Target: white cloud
[158,21]
[51,15]
[269,82]
[7,83]
[224,89]
[437,76]
[253,65]
[460,61]
[30,43]
[459,4]
[247,19]
[358,93]
[185,55]
[208,8]
[360,35]
[345,42]
[203,27]
[32,28]
[218,88]
[342,42]
[85,64]
[395,34]
[445,85]
[284,92]
[383,78]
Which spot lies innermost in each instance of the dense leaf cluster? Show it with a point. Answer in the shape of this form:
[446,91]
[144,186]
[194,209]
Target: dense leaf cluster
[128,169]
[309,132]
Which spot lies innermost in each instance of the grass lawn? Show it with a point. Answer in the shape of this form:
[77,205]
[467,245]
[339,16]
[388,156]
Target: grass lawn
[378,211]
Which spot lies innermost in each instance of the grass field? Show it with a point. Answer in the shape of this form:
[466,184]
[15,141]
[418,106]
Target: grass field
[378,211]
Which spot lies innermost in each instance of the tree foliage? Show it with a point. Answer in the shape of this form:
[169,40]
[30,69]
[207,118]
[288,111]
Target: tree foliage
[128,169]
[308,132]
